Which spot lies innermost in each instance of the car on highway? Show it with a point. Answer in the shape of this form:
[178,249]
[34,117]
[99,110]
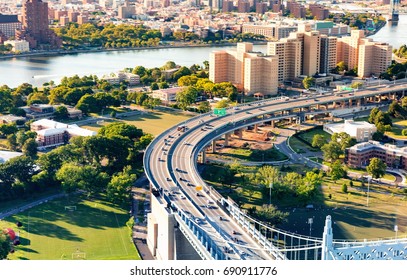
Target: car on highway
[182,196]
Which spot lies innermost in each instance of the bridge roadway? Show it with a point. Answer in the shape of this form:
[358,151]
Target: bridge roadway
[170,164]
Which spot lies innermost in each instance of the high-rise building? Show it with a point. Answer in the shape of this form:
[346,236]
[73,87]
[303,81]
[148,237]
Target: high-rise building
[319,11]
[165,3]
[126,11]
[35,30]
[243,6]
[249,71]
[261,8]
[348,48]
[63,21]
[73,16]
[311,52]
[296,9]
[82,19]
[9,24]
[289,53]
[227,6]
[327,60]
[373,58]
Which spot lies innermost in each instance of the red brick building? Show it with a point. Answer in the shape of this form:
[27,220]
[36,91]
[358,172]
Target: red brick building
[35,30]
[360,155]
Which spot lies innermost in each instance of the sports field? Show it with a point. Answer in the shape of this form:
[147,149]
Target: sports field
[95,230]
[154,122]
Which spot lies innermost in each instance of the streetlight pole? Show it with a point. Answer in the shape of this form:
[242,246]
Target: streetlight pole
[310,221]
[271,185]
[369,178]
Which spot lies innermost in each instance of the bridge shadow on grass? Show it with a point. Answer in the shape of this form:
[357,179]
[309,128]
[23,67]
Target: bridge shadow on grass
[374,221]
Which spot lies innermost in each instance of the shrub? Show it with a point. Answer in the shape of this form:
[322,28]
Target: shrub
[344,188]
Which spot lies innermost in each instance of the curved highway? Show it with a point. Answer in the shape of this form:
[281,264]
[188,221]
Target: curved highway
[170,161]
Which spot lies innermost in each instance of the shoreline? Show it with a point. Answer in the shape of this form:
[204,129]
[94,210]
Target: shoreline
[96,50]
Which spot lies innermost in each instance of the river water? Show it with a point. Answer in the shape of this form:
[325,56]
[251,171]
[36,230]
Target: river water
[40,69]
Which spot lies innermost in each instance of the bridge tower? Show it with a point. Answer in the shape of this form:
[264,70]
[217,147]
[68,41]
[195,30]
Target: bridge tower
[327,240]
[394,11]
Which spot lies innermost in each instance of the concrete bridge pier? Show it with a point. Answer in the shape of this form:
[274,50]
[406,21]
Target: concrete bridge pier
[164,237]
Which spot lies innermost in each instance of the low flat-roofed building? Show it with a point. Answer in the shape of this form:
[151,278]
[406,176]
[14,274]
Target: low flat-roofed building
[360,154]
[7,155]
[41,111]
[51,133]
[167,95]
[361,131]
[18,45]
[4,119]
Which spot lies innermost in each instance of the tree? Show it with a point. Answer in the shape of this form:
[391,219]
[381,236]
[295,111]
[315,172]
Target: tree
[8,129]
[222,104]
[270,214]
[356,85]
[204,107]
[292,180]
[5,245]
[75,177]
[331,151]
[337,171]
[343,139]
[307,82]
[309,185]
[61,113]
[372,115]
[186,97]
[121,129]
[169,65]
[88,104]
[267,176]
[30,148]
[318,141]
[344,188]
[376,168]
[154,86]
[119,188]
[341,66]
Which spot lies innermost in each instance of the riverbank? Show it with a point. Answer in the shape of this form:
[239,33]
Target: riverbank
[96,50]
[378,26]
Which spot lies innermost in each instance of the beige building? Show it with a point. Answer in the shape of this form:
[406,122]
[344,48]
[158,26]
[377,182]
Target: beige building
[248,71]
[368,56]
[289,52]
[311,53]
[348,48]
[271,31]
[300,54]
[18,45]
[374,58]
[167,95]
[361,131]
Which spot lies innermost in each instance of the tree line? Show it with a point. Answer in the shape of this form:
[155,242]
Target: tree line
[102,164]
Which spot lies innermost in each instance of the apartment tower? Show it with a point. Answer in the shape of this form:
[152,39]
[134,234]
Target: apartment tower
[249,71]
[35,30]
[373,58]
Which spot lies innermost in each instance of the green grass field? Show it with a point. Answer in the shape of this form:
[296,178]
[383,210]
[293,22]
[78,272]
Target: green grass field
[252,155]
[297,145]
[150,122]
[96,230]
